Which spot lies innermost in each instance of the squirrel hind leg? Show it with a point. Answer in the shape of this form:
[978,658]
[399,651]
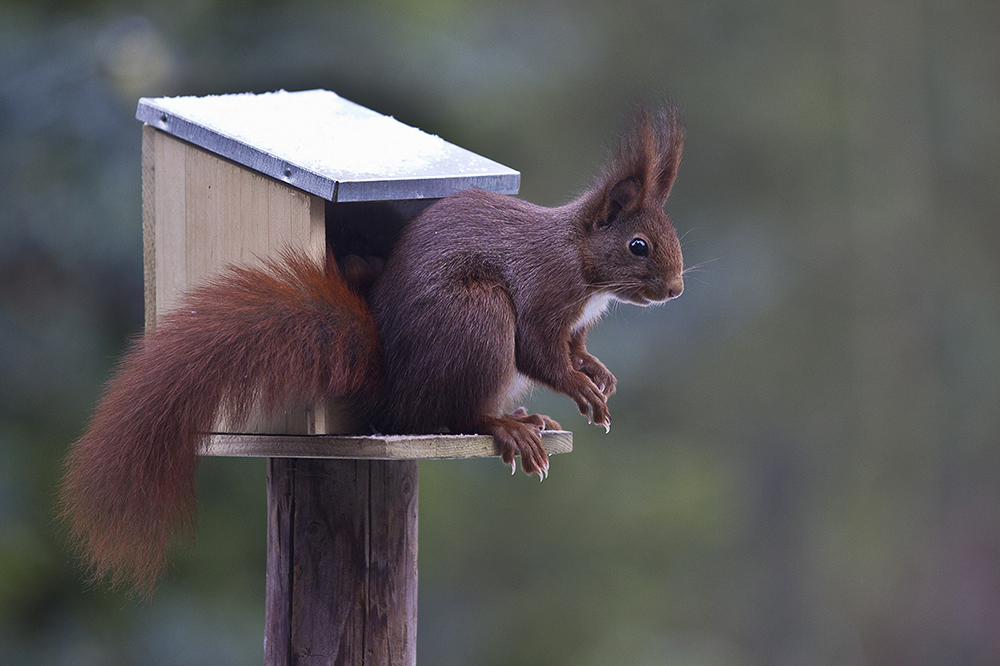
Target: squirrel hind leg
[458,365]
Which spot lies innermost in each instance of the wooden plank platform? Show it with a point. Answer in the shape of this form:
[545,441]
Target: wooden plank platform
[370,447]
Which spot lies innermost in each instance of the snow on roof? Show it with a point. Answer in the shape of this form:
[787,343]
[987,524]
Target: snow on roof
[326,145]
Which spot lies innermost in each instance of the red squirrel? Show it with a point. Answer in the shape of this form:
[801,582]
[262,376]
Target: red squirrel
[480,292]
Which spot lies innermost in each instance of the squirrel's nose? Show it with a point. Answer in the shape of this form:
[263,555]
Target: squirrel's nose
[675,287]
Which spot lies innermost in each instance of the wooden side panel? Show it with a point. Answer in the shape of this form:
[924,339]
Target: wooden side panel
[163,220]
[202,212]
[234,215]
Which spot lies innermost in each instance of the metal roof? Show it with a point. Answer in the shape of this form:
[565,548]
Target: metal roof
[319,142]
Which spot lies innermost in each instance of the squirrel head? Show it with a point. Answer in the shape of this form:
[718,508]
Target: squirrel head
[630,247]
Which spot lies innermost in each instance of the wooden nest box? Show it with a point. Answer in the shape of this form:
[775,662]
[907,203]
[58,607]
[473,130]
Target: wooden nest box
[236,178]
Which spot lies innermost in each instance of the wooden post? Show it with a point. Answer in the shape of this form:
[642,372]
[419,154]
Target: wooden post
[342,539]
[341,562]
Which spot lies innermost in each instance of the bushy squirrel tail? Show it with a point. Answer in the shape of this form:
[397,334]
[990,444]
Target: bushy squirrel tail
[291,330]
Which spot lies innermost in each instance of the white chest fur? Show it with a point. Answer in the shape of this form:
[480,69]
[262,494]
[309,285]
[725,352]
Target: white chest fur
[592,311]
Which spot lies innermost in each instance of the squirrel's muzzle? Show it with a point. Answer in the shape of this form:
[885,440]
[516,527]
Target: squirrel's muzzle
[674,288]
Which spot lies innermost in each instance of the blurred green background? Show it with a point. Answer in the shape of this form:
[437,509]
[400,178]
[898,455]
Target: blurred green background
[805,461]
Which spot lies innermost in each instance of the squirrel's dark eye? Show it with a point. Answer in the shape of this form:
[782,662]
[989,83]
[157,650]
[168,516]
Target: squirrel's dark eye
[638,247]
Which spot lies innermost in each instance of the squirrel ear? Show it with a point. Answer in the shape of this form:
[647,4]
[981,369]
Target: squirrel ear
[644,165]
[622,196]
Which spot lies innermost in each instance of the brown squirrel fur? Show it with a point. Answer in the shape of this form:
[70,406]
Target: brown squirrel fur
[480,292]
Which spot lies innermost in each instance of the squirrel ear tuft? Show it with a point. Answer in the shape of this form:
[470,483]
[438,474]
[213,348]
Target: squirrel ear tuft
[646,159]
[643,167]
[670,145]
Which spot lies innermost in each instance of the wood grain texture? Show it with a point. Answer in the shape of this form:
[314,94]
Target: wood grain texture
[342,562]
[391,620]
[277,608]
[201,212]
[204,212]
[164,222]
[385,447]
[149,224]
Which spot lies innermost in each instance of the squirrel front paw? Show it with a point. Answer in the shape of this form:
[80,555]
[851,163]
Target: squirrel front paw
[589,365]
[590,399]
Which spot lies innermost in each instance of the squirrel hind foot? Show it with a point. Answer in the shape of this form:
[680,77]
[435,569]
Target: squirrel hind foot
[541,420]
[518,434]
